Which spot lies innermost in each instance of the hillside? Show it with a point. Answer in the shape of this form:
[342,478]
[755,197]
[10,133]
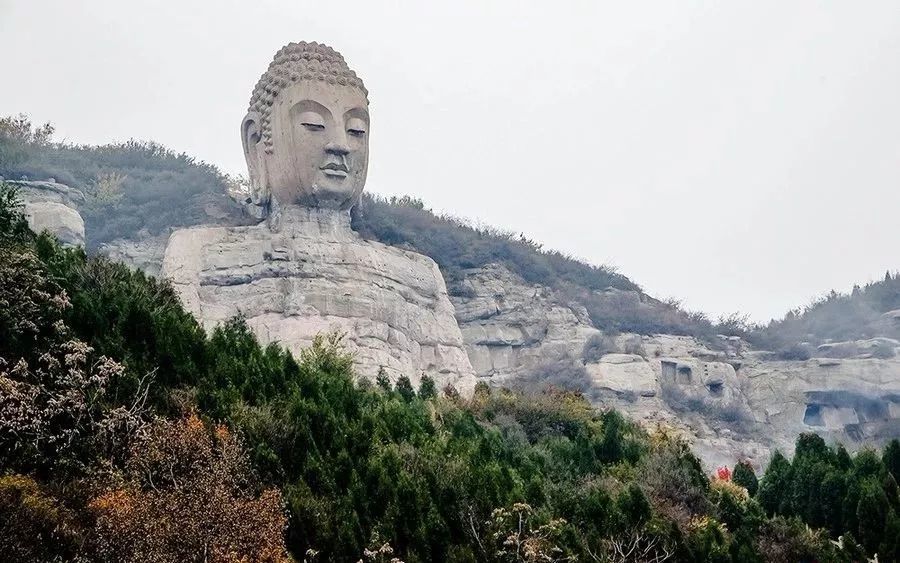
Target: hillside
[135,190]
[128,433]
[132,189]
[867,312]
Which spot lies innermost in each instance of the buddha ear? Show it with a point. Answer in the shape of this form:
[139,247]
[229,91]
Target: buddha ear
[254,150]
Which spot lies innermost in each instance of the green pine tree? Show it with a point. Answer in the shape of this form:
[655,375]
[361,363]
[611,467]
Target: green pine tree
[405,389]
[427,388]
[774,490]
[745,476]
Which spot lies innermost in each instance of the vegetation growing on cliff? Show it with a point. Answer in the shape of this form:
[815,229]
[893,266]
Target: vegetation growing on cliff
[456,245]
[127,433]
[614,302]
[131,187]
[859,314]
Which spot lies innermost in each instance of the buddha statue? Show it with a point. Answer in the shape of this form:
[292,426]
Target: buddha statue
[302,271]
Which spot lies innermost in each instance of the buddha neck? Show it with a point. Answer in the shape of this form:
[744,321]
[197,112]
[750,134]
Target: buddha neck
[298,221]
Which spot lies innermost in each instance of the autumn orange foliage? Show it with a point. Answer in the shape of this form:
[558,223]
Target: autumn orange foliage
[189,496]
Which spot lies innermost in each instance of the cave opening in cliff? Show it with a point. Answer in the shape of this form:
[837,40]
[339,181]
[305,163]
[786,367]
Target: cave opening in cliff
[813,415]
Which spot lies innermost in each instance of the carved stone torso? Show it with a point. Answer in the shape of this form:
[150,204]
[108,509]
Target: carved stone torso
[316,275]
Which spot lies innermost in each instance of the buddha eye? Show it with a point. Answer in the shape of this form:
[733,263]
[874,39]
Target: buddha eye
[356,127]
[312,121]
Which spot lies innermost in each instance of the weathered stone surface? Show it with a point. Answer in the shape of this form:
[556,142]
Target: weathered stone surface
[60,220]
[764,405]
[892,315]
[510,326]
[854,401]
[879,347]
[145,254]
[669,345]
[316,275]
[624,374]
[47,190]
[621,358]
[50,206]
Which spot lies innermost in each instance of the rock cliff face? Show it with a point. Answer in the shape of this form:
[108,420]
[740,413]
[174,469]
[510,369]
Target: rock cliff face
[854,401]
[734,404]
[731,403]
[682,384]
[53,207]
[316,275]
[510,327]
[145,250]
[145,254]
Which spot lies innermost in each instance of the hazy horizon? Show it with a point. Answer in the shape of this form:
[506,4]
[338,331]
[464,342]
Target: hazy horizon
[736,158]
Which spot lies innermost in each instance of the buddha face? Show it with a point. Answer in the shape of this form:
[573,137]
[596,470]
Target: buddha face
[320,146]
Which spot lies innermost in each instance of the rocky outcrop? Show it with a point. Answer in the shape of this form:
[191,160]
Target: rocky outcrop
[878,347]
[52,207]
[145,253]
[733,404]
[686,386]
[315,275]
[144,250]
[852,401]
[627,376]
[510,326]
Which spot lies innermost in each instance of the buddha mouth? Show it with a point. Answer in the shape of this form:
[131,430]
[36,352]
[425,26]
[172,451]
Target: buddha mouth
[335,170]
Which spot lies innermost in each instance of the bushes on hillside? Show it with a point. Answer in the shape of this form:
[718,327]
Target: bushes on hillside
[435,478]
[837,317]
[457,246]
[71,429]
[597,346]
[188,495]
[567,374]
[17,136]
[35,526]
[131,187]
[796,352]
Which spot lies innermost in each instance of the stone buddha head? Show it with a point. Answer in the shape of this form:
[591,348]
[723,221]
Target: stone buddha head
[306,134]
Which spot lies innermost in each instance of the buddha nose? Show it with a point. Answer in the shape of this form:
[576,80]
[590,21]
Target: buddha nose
[337,149]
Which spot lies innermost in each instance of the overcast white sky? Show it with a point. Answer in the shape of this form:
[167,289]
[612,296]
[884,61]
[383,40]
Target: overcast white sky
[737,156]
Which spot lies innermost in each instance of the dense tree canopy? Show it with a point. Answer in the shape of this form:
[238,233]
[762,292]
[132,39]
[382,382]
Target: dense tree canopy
[828,489]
